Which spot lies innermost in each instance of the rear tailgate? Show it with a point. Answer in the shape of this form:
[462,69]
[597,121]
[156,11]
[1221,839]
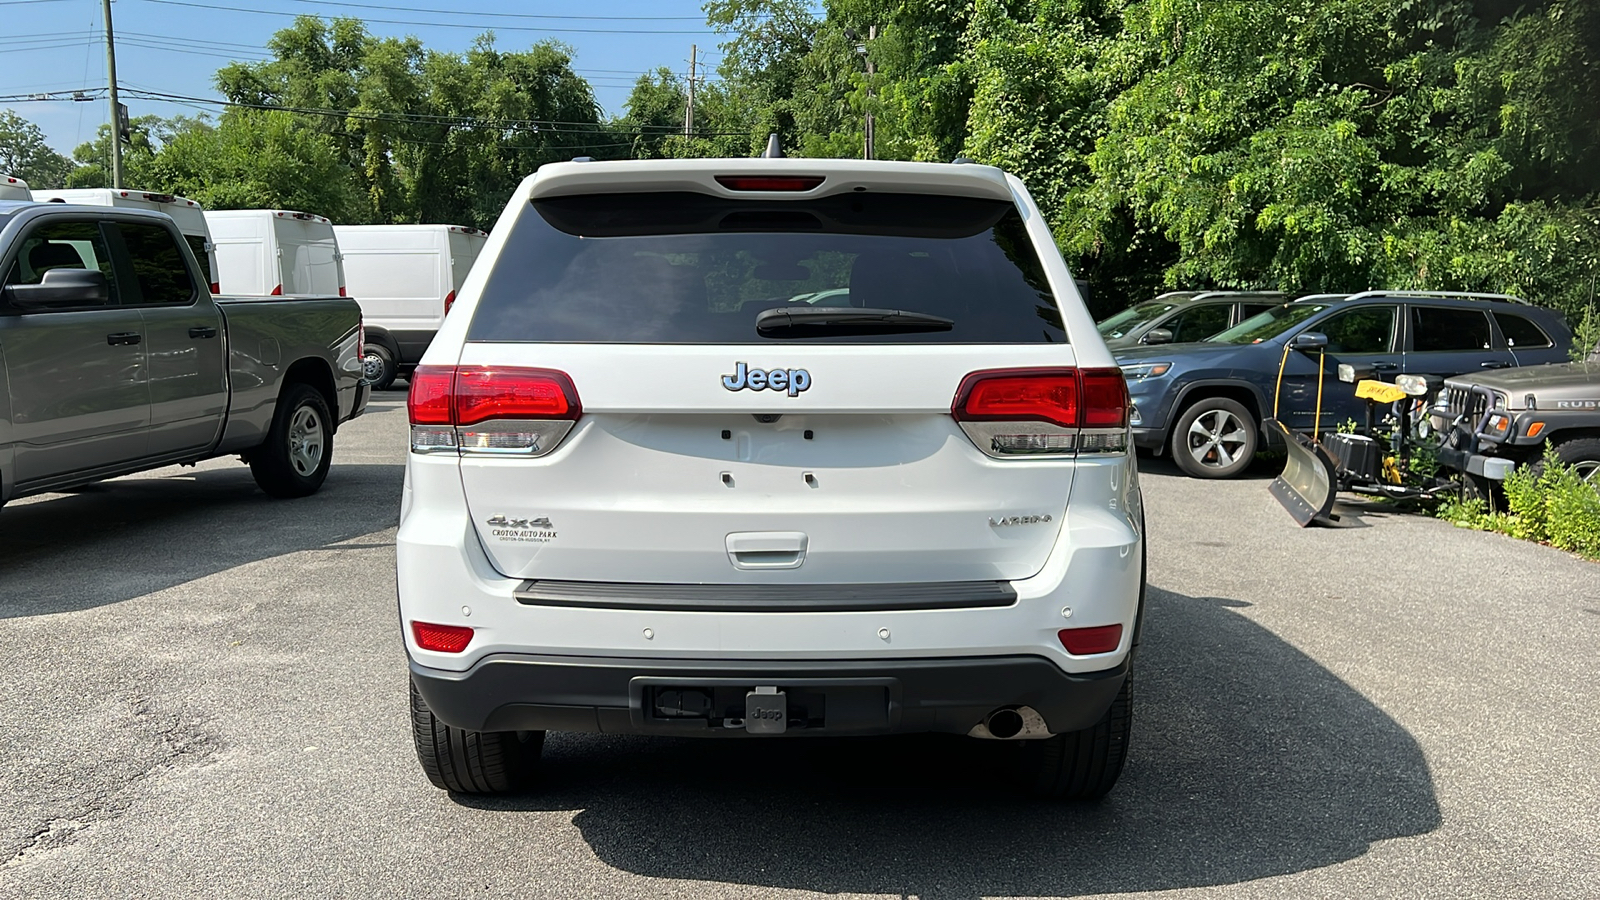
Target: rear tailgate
[709,450]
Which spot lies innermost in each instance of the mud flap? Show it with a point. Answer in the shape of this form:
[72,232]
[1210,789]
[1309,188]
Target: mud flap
[1306,488]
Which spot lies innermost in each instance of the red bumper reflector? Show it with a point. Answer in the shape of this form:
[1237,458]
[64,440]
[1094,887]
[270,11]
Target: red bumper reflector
[1086,641]
[442,638]
[769,182]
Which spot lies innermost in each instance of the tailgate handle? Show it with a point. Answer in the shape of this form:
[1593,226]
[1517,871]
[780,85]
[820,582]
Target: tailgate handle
[767,549]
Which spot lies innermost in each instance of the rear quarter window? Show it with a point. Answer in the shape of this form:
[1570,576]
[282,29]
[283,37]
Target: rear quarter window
[690,268]
[1521,333]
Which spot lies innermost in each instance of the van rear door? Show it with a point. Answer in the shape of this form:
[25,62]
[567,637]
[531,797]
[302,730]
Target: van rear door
[308,255]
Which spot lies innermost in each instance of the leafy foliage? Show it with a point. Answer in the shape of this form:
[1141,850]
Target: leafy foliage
[24,154]
[1547,502]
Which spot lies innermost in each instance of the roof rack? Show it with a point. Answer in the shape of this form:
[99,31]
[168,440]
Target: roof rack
[1444,295]
[1196,295]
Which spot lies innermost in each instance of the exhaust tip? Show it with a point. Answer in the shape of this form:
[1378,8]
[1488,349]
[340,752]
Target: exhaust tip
[1004,723]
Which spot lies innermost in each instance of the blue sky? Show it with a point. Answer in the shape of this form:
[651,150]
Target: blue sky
[175,47]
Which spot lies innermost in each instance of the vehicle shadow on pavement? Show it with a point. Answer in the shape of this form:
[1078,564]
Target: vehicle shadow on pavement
[1248,760]
[116,540]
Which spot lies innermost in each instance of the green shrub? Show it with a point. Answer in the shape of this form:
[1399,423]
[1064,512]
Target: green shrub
[1546,502]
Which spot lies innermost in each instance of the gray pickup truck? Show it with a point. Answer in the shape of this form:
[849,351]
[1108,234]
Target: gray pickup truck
[116,358]
[1491,422]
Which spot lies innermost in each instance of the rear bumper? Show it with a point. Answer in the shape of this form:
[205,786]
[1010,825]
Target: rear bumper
[1149,438]
[527,692]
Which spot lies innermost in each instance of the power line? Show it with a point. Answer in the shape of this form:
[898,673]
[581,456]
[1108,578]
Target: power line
[475,27]
[499,15]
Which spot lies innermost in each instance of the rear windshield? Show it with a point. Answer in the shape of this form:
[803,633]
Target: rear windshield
[684,268]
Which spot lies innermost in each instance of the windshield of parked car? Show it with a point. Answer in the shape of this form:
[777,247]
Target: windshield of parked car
[1126,321]
[677,268]
[1267,325]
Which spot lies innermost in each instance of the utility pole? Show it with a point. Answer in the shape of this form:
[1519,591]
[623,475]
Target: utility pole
[116,107]
[872,34]
[688,110]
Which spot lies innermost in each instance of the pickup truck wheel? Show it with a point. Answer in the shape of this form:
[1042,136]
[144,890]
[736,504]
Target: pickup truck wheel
[294,459]
[1214,438]
[1079,765]
[473,762]
[378,367]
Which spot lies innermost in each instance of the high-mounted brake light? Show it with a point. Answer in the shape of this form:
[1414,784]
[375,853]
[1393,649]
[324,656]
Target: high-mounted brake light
[1012,413]
[441,638]
[449,301]
[491,409]
[769,182]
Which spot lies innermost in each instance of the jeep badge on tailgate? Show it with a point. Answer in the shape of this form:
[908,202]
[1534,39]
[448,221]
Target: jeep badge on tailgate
[792,380]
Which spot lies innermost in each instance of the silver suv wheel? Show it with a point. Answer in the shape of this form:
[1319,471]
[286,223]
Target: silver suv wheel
[306,442]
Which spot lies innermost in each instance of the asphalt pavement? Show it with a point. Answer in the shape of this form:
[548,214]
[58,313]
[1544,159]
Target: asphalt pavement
[206,697]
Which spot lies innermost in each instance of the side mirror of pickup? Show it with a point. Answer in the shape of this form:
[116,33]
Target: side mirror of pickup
[1157,336]
[61,289]
[1309,341]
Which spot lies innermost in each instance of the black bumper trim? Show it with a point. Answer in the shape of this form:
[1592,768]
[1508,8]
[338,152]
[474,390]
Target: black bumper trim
[527,692]
[767,597]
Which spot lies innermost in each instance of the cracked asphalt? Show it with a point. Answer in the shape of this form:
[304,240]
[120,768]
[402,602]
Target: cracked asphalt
[207,697]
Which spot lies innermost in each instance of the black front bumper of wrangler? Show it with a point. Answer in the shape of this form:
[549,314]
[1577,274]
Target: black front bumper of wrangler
[525,692]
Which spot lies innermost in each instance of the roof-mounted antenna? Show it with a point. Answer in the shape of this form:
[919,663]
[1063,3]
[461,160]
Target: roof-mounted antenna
[774,149]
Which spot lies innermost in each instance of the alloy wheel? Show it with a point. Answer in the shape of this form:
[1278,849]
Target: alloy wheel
[1216,438]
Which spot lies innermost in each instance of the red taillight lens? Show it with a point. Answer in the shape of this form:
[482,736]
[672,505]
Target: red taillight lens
[441,638]
[769,182]
[449,301]
[216,287]
[1105,398]
[484,393]
[1011,413]
[1087,641]
[1019,395]
[277,291]
[429,402]
[361,340]
[341,291]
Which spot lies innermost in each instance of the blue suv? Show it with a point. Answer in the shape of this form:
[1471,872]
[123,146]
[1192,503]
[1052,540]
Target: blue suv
[1204,402]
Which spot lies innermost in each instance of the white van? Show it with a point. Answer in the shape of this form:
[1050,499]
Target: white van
[276,252]
[13,188]
[405,277]
[189,215]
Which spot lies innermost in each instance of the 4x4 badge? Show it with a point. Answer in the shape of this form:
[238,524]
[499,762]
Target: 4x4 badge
[792,380]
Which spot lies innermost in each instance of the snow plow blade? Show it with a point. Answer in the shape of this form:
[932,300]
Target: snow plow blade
[1306,487]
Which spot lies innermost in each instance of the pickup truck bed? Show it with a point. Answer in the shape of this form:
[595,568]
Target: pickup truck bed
[115,358]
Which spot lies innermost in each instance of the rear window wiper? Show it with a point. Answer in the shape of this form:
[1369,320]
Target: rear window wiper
[839,321]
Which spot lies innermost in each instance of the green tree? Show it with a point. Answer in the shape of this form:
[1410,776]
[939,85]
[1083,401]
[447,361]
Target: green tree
[25,155]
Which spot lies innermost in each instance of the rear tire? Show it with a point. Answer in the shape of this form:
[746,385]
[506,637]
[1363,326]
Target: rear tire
[1080,765]
[1214,438]
[293,461]
[473,762]
[378,367]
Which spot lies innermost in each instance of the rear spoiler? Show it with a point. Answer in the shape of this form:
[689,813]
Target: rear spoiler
[700,176]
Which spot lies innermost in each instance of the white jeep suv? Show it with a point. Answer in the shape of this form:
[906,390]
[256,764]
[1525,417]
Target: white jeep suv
[653,489]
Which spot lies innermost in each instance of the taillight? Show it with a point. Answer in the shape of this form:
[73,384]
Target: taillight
[491,409]
[1087,641]
[361,340]
[449,301]
[277,291]
[1012,413]
[341,291]
[441,638]
[216,288]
